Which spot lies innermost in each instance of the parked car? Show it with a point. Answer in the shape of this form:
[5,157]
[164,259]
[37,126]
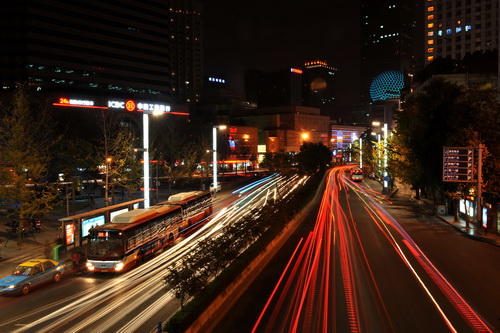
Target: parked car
[30,274]
[218,189]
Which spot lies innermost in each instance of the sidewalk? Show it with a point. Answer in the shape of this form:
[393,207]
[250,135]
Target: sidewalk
[404,193]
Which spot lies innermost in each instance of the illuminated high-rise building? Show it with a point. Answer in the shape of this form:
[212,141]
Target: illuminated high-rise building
[122,48]
[93,47]
[186,50]
[318,80]
[458,27]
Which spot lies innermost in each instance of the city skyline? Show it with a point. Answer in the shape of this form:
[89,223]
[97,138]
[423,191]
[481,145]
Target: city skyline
[285,34]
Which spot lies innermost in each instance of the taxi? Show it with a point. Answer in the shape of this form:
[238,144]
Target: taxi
[30,274]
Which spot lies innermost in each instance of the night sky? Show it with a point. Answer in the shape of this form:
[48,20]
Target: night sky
[275,34]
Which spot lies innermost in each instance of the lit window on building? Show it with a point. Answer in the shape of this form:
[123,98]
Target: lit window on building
[449,31]
[430,25]
[430,58]
[430,50]
[468,27]
[430,33]
[440,32]
[430,9]
[430,41]
[458,29]
[430,17]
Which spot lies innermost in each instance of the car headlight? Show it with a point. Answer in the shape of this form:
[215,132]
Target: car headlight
[12,286]
[89,265]
[119,266]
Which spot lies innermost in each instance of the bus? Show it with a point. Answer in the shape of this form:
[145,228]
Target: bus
[139,233]
[356,174]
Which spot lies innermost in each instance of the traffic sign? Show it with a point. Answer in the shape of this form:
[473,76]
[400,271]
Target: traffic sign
[458,164]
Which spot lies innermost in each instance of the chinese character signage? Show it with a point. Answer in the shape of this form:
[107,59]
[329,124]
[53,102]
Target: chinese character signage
[458,164]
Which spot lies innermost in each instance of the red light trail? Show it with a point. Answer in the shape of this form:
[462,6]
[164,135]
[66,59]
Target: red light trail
[333,280]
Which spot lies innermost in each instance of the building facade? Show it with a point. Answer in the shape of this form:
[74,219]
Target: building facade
[286,128]
[95,47]
[318,80]
[272,89]
[128,49]
[456,28]
[185,23]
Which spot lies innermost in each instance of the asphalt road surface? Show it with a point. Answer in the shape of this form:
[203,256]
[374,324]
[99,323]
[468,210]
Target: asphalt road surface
[359,263]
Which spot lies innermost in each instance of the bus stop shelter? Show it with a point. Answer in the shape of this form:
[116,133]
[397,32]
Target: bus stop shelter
[75,228]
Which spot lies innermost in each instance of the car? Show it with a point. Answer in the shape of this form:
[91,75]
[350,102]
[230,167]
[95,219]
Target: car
[30,274]
[218,189]
[356,174]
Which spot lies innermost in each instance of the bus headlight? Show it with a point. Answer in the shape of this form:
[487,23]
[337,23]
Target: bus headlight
[119,266]
[89,265]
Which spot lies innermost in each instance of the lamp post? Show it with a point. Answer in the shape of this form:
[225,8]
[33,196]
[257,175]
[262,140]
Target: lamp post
[106,185]
[214,152]
[361,152]
[386,182]
[145,137]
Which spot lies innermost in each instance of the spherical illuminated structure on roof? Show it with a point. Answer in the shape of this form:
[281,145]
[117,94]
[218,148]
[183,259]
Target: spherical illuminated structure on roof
[387,85]
[318,84]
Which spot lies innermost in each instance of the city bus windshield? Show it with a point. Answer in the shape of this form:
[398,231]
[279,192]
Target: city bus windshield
[105,244]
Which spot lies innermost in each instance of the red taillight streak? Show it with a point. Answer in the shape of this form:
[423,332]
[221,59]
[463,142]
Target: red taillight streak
[277,286]
[465,310]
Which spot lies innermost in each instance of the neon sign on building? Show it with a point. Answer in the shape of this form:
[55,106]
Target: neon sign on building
[129,105]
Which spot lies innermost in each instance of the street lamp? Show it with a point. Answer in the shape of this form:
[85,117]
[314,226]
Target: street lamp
[214,152]
[361,152]
[386,183]
[145,131]
[106,185]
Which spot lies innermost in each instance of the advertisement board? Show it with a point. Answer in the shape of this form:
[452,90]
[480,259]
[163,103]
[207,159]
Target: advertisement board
[91,223]
[70,234]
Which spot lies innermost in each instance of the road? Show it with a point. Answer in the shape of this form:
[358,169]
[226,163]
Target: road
[360,263]
[134,301]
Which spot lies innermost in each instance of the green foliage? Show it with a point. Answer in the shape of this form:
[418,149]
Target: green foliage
[477,62]
[446,115]
[423,128]
[25,141]
[279,162]
[313,158]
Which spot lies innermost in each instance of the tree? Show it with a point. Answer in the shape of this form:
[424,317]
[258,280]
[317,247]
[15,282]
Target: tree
[25,140]
[422,131]
[279,162]
[313,157]
[127,166]
[116,143]
[445,115]
[180,280]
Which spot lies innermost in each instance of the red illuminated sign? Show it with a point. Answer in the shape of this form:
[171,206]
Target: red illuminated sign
[70,234]
[130,105]
[295,70]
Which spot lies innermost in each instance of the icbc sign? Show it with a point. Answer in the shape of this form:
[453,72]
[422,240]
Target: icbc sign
[130,106]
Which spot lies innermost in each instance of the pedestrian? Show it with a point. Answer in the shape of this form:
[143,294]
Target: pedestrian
[76,262]
[47,250]
[59,240]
